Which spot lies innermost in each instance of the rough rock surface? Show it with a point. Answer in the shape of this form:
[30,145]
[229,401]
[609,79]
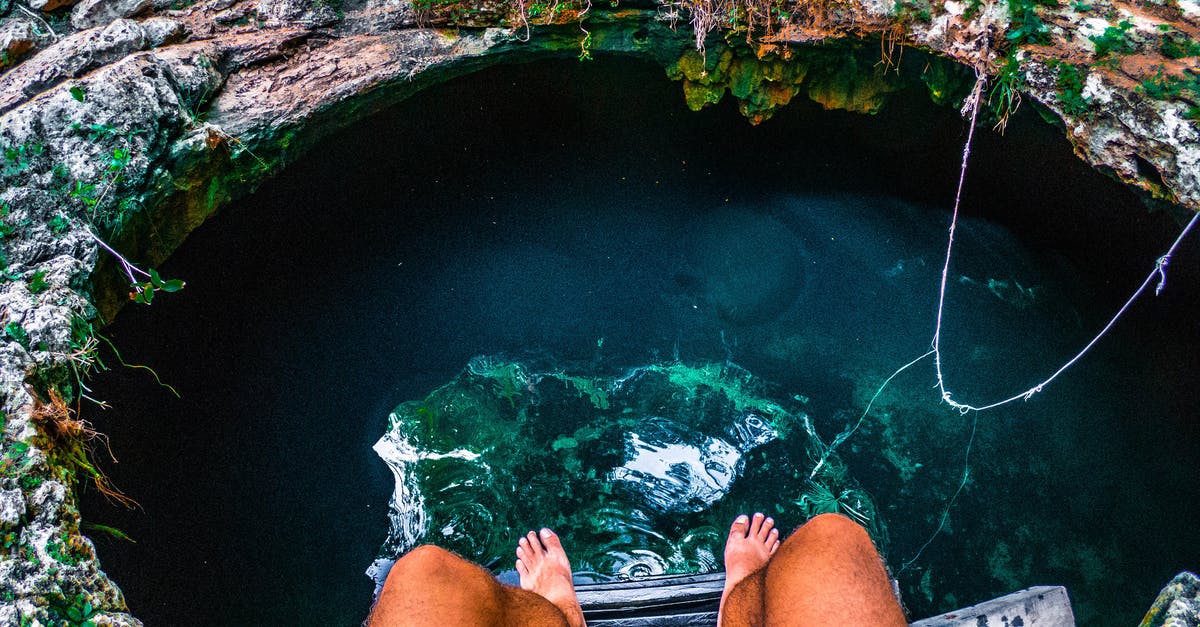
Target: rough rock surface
[1178,605]
[135,120]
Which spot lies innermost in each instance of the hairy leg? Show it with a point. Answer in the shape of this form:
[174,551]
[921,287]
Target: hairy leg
[827,573]
[751,543]
[432,586]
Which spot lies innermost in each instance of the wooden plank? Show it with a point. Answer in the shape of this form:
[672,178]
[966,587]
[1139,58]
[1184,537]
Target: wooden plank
[1040,606]
[692,600]
[689,591]
[699,619]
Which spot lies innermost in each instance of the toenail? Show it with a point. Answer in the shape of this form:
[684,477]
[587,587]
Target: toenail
[741,519]
[758,514]
[546,533]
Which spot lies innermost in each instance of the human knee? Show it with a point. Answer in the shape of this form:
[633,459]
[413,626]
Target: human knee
[426,558]
[831,530]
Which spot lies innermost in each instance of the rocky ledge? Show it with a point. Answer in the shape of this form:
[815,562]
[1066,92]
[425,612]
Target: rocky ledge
[126,123]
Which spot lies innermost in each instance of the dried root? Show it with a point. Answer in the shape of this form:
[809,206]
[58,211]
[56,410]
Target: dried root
[73,441]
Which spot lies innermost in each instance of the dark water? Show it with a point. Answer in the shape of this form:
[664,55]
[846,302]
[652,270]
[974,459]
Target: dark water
[533,210]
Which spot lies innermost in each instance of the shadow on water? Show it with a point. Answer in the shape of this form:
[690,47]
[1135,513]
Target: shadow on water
[540,208]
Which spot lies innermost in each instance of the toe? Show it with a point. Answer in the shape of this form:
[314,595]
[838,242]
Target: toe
[535,545]
[740,526]
[756,522]
[551,541]
[774,547]
[522,569]
[767,526]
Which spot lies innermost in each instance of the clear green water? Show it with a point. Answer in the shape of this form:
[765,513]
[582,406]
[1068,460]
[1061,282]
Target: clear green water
[638,473]
[559,204]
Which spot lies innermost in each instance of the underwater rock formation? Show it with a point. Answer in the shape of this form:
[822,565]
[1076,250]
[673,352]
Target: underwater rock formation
[1178,605]
[488,455]
[136,120]
[680,472]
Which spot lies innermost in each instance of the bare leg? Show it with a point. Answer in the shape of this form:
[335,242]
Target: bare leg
[827,573]
[751,543]
[432,586]
[544,569]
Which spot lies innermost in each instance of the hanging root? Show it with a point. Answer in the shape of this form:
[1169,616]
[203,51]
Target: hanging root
[73,441]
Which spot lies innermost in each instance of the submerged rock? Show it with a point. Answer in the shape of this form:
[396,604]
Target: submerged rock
[1178,605]
[638,473]
[677,470]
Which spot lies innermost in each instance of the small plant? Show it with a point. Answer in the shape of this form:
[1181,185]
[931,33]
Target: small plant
[914,10]
[37,283]
[76,611]
[1177,45]
[1114,40]
[59,224]
[6,229]
[1005,96]
[1070,83]
[17,332]
[1026,26]
[18,158]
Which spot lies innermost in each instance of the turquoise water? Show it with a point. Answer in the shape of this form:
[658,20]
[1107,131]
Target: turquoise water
[577,219]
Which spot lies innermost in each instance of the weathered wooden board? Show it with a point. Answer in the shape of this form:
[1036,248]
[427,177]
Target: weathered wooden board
[1039,606]
[692,601]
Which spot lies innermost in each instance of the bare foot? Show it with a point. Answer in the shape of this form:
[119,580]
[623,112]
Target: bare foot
[752,541]
[545,570]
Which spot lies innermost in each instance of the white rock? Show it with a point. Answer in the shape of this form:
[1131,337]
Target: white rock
[12,508]
[92,13]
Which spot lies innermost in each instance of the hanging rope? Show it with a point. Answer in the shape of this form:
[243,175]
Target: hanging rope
[1159,271]
[971,107]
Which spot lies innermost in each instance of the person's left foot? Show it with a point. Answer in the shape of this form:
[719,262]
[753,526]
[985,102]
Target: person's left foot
[545,570]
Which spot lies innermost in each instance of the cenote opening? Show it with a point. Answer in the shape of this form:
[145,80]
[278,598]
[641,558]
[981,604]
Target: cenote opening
[576,218]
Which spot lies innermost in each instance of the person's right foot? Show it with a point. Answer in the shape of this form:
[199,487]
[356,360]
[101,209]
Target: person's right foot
[752,541]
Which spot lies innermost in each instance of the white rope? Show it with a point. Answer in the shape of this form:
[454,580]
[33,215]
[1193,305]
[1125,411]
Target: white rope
[845,435]
[1160,271]
[946,512]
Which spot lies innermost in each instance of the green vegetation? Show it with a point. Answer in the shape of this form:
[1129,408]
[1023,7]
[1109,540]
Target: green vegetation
[37,283]
[1070,83]
[1177,45]
[18,158]
[1165,86]
[1005,95]
[1114,41]
[76,611]
[15,331]
[913,10]
[1026,25]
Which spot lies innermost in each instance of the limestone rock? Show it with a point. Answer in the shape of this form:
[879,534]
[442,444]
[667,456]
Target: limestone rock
[163,30]
[17,36]
[70,57]
[12,508]
[50,5]
[1178,605]
[92,13]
